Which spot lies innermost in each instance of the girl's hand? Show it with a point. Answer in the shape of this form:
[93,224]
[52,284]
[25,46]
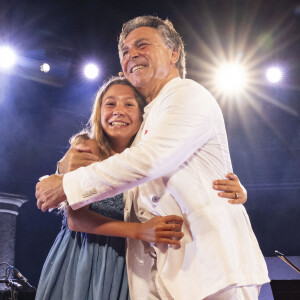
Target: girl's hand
[231,189]
[161,230]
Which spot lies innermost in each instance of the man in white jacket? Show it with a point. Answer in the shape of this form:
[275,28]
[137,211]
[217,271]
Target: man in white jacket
[179,150]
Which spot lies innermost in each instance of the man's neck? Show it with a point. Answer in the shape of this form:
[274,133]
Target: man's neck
[152,91]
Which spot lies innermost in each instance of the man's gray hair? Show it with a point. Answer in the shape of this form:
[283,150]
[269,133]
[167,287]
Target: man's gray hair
[171,37]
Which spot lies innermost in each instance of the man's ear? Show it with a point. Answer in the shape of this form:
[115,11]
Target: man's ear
[175,56]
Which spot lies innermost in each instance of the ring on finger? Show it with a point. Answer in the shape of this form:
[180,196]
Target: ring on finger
[236,195]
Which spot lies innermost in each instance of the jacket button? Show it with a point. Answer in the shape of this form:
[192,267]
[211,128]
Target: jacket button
[155,199]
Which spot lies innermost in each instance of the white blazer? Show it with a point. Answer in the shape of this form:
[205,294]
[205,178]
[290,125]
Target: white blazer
[180,149]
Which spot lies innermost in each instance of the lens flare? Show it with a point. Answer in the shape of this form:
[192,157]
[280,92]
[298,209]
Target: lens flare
[7,57]
[231,78]
[91,71]
[274,74]
[45,68]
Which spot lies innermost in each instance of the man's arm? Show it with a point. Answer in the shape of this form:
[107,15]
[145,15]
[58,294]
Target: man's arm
[184,123]
[187,120]
[84,151]
[80,155]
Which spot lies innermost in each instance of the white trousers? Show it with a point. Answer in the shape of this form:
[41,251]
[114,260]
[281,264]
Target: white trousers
[159,292]
[247,292]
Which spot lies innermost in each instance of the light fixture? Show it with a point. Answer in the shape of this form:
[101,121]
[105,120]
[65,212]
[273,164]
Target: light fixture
[7,57]
[274,74]
[45,67]
[231,78]
[91,71]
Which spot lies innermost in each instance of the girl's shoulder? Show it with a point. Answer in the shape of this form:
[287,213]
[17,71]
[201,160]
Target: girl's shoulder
[93,145]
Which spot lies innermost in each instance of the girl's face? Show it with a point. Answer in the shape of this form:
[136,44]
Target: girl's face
[120,115]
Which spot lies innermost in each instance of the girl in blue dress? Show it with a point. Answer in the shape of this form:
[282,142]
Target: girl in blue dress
[82,266]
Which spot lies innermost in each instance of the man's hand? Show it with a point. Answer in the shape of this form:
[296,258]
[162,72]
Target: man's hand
[79,156]
[49,192]
[231,189]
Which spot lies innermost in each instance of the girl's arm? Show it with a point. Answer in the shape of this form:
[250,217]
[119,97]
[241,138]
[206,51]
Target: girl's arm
[158,229]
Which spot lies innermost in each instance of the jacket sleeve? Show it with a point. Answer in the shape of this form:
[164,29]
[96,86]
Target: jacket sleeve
[184,121]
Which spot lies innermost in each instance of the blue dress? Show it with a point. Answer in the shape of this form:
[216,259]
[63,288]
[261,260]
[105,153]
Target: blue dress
[83,266]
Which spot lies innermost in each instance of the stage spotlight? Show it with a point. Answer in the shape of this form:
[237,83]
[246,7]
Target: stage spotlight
[7,57]
[45,68]
[274,74]
[231,78]
[91,71]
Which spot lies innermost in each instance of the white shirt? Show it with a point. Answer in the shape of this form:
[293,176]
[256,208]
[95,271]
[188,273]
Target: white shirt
[180,149]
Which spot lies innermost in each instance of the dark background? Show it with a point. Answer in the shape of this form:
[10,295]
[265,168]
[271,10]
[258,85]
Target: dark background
[39,112]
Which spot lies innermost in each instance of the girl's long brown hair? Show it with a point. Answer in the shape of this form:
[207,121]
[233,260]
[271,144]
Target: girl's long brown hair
[94,128]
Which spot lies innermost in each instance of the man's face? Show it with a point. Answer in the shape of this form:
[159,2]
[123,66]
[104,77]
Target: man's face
[146,60]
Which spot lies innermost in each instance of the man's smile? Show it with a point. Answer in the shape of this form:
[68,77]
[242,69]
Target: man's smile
[137,67]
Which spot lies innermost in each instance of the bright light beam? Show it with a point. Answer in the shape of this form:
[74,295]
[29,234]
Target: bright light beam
[274,74]
[231,78]
[45,68]
[91,71]
[7,57]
